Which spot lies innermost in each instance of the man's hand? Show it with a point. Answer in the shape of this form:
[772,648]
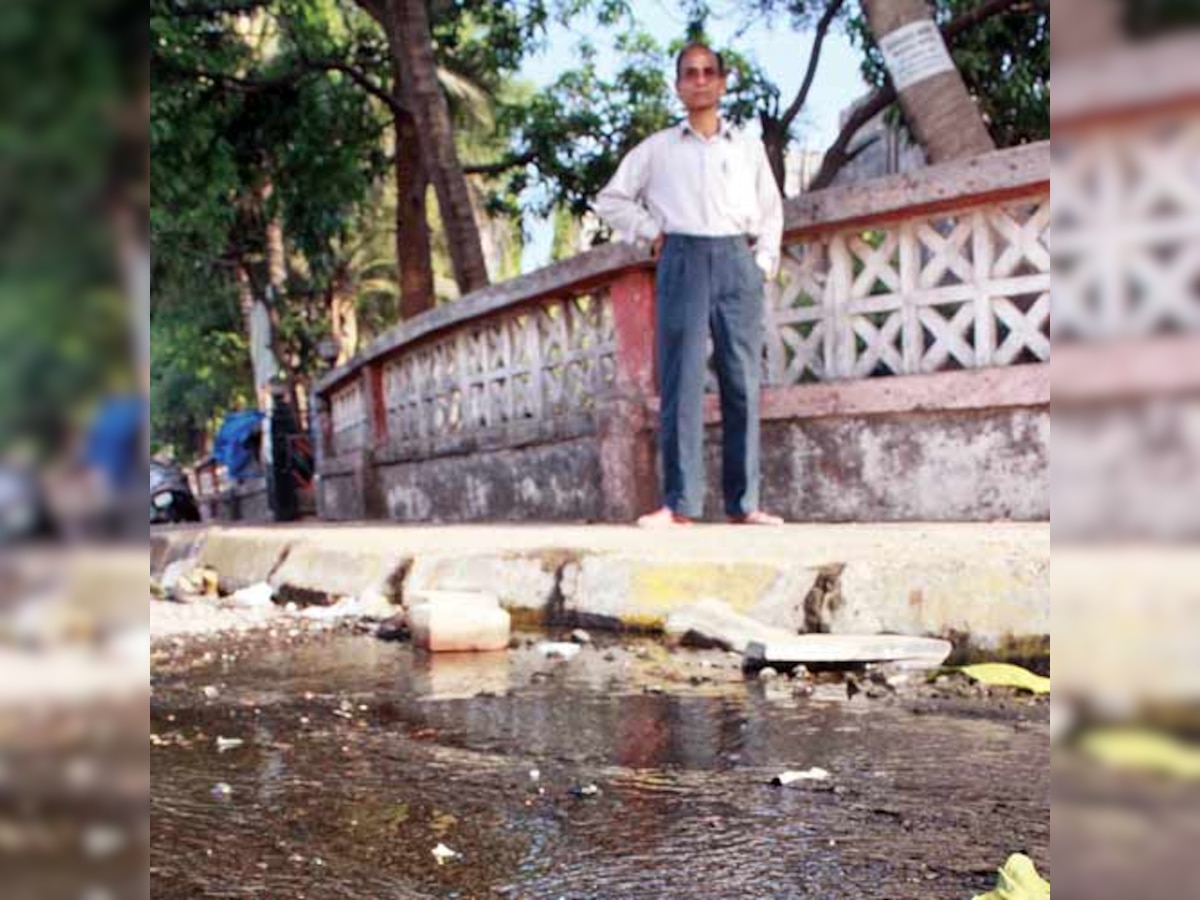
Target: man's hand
[656,246]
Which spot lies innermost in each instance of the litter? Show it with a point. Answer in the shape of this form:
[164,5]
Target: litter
[444,854]
[257,596]
[816,773]
[1018,880]
[1137,749]
[224,744]
[558,650]
[1007,675]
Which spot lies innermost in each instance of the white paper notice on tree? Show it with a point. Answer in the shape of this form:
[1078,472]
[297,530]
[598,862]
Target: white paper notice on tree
[915,52]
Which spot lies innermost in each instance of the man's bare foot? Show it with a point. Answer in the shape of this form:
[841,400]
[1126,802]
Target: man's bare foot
[758,517]
[663,518]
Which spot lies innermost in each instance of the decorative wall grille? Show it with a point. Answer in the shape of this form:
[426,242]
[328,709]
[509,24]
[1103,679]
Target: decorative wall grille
[534,363]
[1127,230]
[961,289]
[349,418]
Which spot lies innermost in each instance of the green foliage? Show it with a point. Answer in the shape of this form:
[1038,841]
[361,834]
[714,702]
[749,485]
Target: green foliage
[1004,61]
[243,103]
[1149,18]
[65,335]
[579,128]
[200,368]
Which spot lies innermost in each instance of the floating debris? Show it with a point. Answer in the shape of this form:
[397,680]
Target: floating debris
[211,692]
[585,790]
[222,791]
[816,773]
[224,744]
[558,650]
[444,854]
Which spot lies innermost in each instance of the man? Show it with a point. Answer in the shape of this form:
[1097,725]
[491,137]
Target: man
[704,196]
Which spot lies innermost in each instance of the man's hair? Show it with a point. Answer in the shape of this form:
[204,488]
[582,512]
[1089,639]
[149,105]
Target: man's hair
[692,48]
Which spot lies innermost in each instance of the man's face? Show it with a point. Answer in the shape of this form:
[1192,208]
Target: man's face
[701,85]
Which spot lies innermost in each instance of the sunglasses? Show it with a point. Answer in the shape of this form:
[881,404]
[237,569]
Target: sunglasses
[694,73]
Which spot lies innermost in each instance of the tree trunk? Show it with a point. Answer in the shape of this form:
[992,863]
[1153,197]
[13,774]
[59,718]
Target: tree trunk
[343,315]
[775,142]
[939,110]
[258,334]
[412,45]
[414,249]
[276,292]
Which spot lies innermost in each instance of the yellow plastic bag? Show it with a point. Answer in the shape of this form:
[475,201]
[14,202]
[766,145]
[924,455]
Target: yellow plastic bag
[1007,675]
[1019,880]
[1143,750]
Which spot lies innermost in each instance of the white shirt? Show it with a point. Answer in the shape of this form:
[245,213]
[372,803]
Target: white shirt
[679,182]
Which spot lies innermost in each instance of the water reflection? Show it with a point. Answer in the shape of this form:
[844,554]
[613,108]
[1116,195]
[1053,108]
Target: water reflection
[359,761]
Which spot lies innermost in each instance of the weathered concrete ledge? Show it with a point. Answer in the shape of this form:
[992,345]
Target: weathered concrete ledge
[986,586]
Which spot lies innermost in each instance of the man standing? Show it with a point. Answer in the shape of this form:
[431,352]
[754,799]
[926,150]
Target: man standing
[704,196]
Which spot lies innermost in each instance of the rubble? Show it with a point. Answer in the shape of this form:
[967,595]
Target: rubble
[816,773]
[558,650]
[257,596]
[845,650]
[452,621]
[712,623]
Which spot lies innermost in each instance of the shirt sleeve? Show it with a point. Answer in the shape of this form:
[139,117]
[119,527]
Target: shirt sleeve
[770,211]
[621,202]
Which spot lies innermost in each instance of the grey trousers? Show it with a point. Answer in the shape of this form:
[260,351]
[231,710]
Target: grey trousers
[706,286]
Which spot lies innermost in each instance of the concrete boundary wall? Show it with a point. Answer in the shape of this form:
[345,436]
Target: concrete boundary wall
[921,298]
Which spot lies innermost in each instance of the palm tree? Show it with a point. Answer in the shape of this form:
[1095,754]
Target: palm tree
[412,44]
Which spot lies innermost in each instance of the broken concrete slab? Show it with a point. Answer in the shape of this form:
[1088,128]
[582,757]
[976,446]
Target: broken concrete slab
[837,650]
[456,622]
[173,544]
[527,581]
[315,571]
[244,556]
[645,590]
[712,623]
[985,585]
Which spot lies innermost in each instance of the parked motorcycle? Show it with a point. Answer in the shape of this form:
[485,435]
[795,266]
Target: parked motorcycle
[24,514]
[171,497]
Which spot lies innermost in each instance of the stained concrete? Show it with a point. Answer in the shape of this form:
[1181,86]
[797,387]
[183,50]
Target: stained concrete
[985,584]
[945,465]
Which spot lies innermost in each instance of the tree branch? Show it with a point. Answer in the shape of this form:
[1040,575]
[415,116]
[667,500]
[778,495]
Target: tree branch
[292,76]
[209,10]
[981,13]
[500,167]
[838,154]
[360,78]
[831,11]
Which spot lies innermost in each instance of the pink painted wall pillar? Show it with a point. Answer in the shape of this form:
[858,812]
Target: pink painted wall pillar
[374,503]
[629,477]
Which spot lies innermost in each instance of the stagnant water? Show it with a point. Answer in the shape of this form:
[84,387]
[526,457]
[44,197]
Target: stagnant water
[360,757]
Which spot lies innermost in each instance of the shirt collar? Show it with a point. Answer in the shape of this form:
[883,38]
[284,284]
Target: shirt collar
[724,129]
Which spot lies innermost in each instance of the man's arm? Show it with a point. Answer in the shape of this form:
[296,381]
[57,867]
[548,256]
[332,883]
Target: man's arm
[770,211]
[620,204]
